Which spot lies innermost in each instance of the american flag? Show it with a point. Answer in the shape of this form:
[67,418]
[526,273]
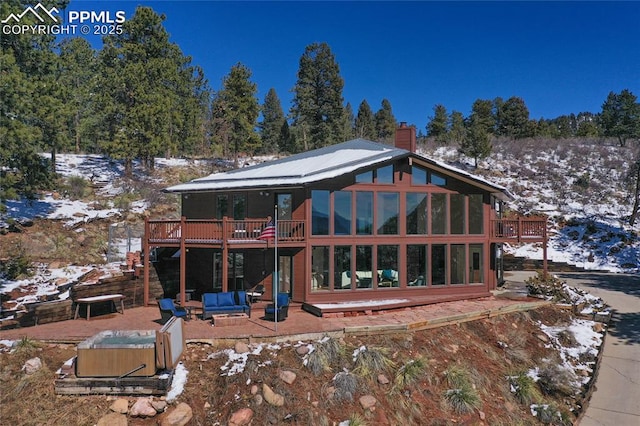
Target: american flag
[268,233]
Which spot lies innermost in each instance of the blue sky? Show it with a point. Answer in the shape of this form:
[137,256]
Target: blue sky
[560,57]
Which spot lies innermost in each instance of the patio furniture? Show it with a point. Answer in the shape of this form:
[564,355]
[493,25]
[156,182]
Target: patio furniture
[282,311]
[225,303]
[255,293]
[168,309]
[88,301]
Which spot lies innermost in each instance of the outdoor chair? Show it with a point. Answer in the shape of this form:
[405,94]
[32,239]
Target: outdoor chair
[255,293]
[168,309]
[270,310]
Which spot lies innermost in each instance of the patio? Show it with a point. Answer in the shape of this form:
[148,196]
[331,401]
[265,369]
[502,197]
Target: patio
[299,325]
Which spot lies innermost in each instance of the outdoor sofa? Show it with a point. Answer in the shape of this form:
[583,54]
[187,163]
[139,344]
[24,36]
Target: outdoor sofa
[225,303]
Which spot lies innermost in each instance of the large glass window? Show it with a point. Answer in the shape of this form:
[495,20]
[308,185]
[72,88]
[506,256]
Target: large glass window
[320,268]
[438,213]
[388,266]
[364,213]
[436,179]
[342,213]
[239,206]
[364,266]
[457,263]
[388,210]
[457,212]
[320,212]
[384,174]
[417,265]
[476,214]
[416,213]
[222,205]
[284,206]
[475,263]
[365,177]
[342,267]
[418,175]
[438,264]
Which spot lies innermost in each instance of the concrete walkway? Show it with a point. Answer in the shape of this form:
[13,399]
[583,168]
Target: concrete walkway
[616,401]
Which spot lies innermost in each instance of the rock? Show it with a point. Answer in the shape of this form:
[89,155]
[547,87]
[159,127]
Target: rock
[330,392]
[241,417]
[315,404]
[598,327]
[120,405]
[180,416]
[32,365]
[383,380]
[482,415]
[142,408]
[287,376]
[368,402]
[113,419]
[254,389]
[159,406]
[543,337]
[241,348]
[302,350]
[258,399]
[271,397]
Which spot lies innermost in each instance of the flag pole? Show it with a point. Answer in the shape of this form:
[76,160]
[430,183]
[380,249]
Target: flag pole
[275,275]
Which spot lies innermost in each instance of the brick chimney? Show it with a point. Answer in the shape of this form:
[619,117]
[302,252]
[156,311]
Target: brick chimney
[406,137]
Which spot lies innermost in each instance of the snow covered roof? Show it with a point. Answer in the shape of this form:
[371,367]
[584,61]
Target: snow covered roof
[314,166]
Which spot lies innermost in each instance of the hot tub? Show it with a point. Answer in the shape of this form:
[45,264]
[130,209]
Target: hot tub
[117,353]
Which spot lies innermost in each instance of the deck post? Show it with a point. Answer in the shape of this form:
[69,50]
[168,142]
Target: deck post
[147,262]
[225,253]
[183,260]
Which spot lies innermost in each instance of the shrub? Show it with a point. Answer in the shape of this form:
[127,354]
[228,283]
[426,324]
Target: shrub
[410,372]
[76,187]
[346,385]
[326,353]
[555,380]
[370,361]
[524,388]
[461,396]
[17,265]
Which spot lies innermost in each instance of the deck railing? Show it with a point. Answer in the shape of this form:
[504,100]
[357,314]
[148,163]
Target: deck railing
[519,229]
[170,231]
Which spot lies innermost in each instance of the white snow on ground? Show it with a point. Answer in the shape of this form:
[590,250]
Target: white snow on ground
[180,374]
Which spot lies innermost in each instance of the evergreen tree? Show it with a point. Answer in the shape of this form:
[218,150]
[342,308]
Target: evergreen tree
[30,106]
[385,123]
[273,120]
[620,116]
[365,125]
[240,110]
[477,141]
[79,67]
[437,125]
[150,95]
[349,122]
[317,109]
[457,129]
[513,119]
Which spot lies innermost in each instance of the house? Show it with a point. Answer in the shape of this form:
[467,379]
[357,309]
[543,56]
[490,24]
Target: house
[357,223]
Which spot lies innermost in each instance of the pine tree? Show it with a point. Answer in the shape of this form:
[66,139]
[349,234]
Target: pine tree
[364,123]
[620,116]
[79,67]
[437,127]
[513,119]
[477,141]
[457,129]
[149,94]
[239,110]
[349,122]
[317,111]
[385,123]
[273,120]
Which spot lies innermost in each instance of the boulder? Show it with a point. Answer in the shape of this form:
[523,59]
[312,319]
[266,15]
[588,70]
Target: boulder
[271,397]
[241,417]
[113,419]
[179,416]
[120,405]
